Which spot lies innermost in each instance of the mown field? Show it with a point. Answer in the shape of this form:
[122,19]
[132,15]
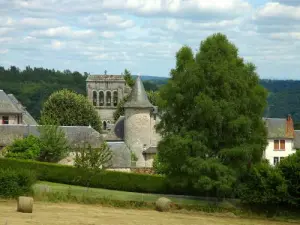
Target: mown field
[78,214]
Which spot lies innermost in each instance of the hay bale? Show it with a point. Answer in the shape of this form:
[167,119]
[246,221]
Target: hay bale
[163,204]
[43,188]
[25,204]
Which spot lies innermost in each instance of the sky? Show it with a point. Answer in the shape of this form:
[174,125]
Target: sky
[144,35]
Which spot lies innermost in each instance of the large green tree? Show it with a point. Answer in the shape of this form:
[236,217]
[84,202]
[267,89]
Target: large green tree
[211,121]
[68,108]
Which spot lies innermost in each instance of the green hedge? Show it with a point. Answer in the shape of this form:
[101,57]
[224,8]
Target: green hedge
[81,177]
[15,182]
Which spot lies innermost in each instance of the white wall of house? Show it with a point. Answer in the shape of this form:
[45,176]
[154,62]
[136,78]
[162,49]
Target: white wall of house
[271,153]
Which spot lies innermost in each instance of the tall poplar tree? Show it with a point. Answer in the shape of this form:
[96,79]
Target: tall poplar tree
[211,122]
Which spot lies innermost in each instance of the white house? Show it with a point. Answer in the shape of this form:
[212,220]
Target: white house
[283,140]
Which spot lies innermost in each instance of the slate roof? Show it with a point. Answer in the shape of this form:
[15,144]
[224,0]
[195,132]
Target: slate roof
[276,127]
[297,139]
[150,150]
[119,127]
[121,156]
[138,97]
[105,78]
[6,105]
[74,134]
[27,118]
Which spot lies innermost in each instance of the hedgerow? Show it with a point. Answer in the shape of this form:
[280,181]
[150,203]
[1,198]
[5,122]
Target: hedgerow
[84,177]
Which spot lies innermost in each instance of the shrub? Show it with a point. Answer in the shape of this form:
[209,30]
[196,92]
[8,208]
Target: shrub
[15,182]
[84,177]
[95,159]
[264,186]
[54,144]
[290,168]
[27,148]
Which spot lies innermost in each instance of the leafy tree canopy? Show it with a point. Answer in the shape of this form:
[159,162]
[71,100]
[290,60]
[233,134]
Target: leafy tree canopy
[212,110]
[67,108]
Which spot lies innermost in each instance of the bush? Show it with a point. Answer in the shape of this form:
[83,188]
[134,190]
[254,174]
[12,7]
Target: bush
[27,148]
[15,182]
[290,168]
[264,186]
[97,158]
[83,177]
[54,144]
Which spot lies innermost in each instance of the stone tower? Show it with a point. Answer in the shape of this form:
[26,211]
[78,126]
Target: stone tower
[138,125]
[105,92]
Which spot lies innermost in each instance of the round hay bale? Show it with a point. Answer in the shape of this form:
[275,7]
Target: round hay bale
[163,204]
[43,188]
[25,204]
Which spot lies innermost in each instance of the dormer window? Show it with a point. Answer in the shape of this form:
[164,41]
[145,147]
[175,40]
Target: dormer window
[279,145]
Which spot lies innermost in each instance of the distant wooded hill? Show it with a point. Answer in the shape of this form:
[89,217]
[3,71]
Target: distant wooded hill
[32,86]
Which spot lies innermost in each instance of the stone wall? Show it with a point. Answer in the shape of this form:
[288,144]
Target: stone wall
[145,170]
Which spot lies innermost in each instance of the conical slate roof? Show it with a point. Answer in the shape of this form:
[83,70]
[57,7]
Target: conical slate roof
[138,97]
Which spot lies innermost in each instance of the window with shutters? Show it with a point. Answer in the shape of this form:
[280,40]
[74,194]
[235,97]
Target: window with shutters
[279,145]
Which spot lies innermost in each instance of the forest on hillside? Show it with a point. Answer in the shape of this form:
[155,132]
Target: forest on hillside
[32,86]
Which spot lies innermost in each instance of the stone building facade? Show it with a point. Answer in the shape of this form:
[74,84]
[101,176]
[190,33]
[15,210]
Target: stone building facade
[136,129]
[105,92]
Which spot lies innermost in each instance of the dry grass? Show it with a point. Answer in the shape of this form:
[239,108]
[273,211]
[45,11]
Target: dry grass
[75,214]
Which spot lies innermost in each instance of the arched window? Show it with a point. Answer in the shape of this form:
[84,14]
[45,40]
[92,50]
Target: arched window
[115,98]
[108,98]
[104,125]
[101,98]
[94,98]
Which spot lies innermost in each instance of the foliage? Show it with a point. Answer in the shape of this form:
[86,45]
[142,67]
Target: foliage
[82,177]
[128,78]
[15,182]
[33,86]
[67,108]
[54,145]
[212,108]
[264,186]
[290,168]
[26,148]
[96,158]
[158,166]
[133,156]
[120,111]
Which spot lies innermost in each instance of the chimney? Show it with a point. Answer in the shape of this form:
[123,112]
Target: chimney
[289,127]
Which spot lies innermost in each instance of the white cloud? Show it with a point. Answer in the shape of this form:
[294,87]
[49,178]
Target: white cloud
[3,51]
[142,33]
[107,34]
[57,45]
[290,35]
[277,10]
[177,8]
[5,30]
[63,31]
[107,21]
[39,22]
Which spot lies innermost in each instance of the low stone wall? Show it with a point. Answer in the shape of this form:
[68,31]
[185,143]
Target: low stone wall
[128,170]
[143,170]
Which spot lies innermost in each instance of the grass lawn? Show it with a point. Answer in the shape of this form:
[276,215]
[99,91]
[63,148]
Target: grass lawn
[110,194]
